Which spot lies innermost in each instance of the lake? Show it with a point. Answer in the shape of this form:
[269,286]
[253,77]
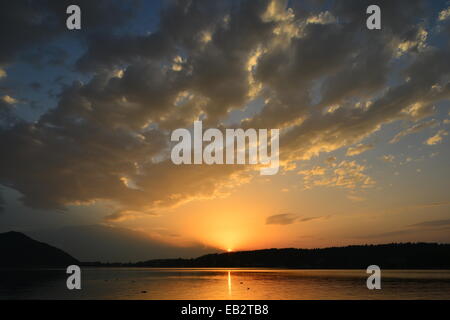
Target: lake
[149,283]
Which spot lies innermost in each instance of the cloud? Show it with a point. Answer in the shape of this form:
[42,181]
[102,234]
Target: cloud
[432,224]
[122,215]
[388,158]
[37,23]
[282,219]
[9,100]
[444,14]
[316,171]
[346,174]
[330,160]
[312,218]
[289,218]
[414,129]
[414,228]
[3,73]
[107,139]
[434,204]
[360,148]
[354,197]
[349,174]
[437,138]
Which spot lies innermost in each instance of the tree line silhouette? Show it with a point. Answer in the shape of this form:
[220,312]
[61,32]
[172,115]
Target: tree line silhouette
[386,256]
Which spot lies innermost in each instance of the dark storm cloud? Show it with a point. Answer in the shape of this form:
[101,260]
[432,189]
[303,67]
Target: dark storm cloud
[181,21]
[55,166]
[215,70]
[320,73]
[105,52]
[28,23]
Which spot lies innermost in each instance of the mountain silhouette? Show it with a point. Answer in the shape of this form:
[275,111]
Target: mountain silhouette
[19,250]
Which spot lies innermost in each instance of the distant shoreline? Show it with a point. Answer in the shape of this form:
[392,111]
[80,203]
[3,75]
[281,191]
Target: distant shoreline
[209,268]
[403,256]
[250,268]
[20,251]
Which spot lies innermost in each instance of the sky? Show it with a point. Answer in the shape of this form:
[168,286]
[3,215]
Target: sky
[86,117]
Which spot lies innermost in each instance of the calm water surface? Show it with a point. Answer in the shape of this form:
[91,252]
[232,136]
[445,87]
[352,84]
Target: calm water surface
[147,283]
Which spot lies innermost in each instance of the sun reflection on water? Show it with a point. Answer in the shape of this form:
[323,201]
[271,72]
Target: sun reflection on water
[229,283]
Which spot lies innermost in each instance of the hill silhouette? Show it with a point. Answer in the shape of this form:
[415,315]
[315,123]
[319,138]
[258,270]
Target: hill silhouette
[19,250]
[386,256]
